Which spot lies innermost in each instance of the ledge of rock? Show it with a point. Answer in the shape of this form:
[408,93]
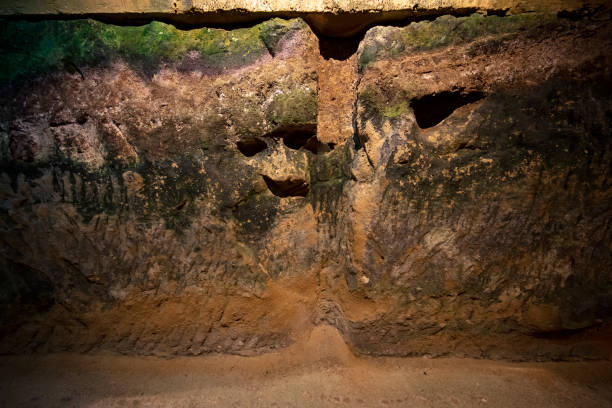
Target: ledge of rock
[335,18]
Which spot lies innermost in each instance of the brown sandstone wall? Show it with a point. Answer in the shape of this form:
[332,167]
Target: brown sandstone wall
[443,190]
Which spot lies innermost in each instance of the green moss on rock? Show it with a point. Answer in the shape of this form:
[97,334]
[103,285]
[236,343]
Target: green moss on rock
[32,48]
[393,111]
[378,105]
[444,31]
[271,32]
[293,106]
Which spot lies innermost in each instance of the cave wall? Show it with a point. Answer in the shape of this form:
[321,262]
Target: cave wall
[443,190]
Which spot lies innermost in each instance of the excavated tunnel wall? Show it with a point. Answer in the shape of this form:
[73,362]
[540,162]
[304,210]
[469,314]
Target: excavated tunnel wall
[439,186]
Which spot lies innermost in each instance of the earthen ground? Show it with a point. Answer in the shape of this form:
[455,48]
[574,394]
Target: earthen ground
[319,371]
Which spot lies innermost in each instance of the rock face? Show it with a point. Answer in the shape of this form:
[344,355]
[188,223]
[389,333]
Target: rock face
[444,190]
[336,18]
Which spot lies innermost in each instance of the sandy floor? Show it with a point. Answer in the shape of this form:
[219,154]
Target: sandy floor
[318,372]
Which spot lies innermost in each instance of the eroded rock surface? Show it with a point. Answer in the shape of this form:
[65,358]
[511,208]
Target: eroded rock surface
[445,190]
[486,148]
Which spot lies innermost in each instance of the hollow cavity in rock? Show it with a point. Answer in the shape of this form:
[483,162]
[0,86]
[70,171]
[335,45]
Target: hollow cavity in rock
[430,110]
[289,187]
[251,147]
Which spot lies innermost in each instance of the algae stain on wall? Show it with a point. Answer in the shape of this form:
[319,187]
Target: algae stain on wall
[32,48]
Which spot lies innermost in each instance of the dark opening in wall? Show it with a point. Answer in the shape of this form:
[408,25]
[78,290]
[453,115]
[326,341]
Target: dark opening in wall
[301,136]
[288,187]
[339,49]
[430,110]
[312,144]
[297,138]
[498,12]
[251,147]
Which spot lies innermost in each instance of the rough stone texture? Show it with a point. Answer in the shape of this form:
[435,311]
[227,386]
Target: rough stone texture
[329,17]
[166,191]
[337,82]
[125,190]
[33,7]
[494,220]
